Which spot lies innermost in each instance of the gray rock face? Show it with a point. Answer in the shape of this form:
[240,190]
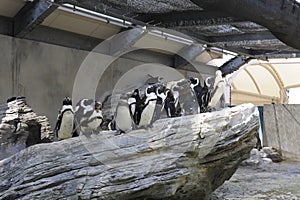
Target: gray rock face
[178,158]
[20,127]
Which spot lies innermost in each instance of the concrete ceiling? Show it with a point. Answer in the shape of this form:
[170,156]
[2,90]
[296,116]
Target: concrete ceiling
[256,28]
[75,23]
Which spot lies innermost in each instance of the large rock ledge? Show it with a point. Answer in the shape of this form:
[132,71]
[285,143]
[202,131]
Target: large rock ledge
[178,158]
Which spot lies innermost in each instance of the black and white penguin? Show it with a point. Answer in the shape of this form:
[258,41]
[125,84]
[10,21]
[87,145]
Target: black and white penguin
[135,108]
[160,103]
[187,103]
[149,107]
[170,104]
[64,127]
[205,96]
[122,118]
[197,88]
[88,115]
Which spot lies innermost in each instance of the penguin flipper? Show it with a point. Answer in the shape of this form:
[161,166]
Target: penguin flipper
[58,123]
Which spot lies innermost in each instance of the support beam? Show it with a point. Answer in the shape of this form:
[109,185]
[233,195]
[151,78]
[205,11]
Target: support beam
[233,65]
[125,40]
[120,43]
[30,16]
[6,26]
[63,38]
[187,54]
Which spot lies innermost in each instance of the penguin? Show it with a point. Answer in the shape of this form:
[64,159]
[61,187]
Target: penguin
[170,104]
[88,115]
[160,103]
[64,127]
[123,119]
[149,107]
[187,101]
[134,102]
[205,96]
[197,88]
[217,91]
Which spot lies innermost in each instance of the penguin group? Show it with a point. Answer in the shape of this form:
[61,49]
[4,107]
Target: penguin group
[86,118]
[140,111]
[141,107]
[210,94]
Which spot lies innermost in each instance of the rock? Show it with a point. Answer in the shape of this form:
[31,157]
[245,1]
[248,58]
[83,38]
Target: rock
[265,156]
[272,153]
[254,160]
[20,127]
[178,158]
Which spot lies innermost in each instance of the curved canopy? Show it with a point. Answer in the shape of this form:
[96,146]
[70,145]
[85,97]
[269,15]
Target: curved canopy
[264,82]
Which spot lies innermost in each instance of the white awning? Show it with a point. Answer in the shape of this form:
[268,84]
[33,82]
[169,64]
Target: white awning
[263,82]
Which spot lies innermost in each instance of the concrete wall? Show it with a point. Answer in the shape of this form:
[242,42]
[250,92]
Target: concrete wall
[45,73]
[282,129]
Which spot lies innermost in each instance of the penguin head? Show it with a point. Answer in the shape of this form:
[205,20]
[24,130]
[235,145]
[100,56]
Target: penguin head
[98,106]
[161,89]
[208,81]
[193,80]
[150,89]
[67,101]
[218,73]
[170,94]
[135,93]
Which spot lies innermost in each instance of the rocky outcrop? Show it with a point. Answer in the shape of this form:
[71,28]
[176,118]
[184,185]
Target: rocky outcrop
[21,127]
[264,156]
[178,158]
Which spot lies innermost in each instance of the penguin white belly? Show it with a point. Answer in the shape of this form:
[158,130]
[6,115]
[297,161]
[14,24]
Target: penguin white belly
[147,114]
[66,127]
[94,122]
[123,118]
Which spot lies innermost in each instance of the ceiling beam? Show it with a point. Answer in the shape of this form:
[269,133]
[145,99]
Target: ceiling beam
[233,65]
[6,26]
[30,16]
[63,38]
[187,54]
[120,43]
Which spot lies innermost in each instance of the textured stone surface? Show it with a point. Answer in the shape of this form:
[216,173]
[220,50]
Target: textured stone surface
[21,127]
[178,158]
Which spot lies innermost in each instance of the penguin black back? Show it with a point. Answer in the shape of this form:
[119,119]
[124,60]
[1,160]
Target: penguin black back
[170,104]
[196,86]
